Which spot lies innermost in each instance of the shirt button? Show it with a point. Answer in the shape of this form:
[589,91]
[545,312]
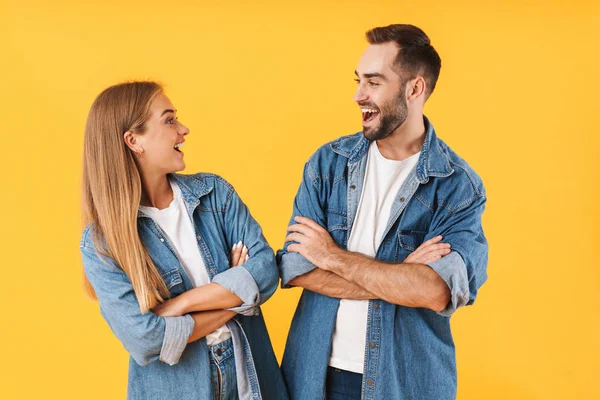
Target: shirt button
[162,240]
[198,237]
[375,305]
[371,345]
[401,199]
[352,187]
[219,352]
[370,382]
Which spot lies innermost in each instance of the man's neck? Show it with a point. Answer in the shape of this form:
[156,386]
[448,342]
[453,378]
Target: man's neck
[405,141]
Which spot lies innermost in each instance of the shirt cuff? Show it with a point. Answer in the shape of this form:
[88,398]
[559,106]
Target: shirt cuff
[239,281]
[177,333]
[453,271]
[292,265]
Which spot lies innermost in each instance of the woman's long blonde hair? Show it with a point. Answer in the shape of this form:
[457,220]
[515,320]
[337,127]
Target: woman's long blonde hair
[112,187]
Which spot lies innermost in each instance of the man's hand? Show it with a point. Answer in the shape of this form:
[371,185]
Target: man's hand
[429,251]
[313,242]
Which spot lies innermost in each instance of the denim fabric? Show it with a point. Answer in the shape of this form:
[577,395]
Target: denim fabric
[409,353]
[222,367]
[343,385]
[162,364]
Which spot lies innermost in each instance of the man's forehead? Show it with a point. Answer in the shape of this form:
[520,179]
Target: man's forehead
[378,58]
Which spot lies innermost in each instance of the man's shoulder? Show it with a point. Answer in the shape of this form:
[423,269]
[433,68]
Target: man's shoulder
[344,146]
[463,186]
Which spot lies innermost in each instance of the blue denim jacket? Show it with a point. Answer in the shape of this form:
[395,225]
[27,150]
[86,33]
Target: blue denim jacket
[409,352]
[162,364]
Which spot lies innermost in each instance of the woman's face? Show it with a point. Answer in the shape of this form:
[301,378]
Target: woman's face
[159,144]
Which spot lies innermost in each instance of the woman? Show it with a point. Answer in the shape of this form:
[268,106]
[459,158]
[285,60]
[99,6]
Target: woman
[152,235]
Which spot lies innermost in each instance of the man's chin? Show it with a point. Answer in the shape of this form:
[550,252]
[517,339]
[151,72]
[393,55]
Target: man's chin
[372,133]
[369,132]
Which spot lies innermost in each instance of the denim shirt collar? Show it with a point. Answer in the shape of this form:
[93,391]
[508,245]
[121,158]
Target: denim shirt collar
[192,189]
[433,160]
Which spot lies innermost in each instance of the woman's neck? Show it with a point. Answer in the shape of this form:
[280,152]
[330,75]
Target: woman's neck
[156,191]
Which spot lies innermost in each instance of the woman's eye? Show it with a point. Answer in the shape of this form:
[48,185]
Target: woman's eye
[170,121]
[357,80]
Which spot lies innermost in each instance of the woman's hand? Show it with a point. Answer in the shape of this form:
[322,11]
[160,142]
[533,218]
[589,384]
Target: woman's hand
[188,301]
[429,251]
[174,307]
[239,254]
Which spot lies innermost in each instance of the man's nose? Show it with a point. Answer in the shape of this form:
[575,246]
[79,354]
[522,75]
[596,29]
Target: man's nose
[360,95]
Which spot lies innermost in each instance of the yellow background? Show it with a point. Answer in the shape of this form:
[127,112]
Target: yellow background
[261,86]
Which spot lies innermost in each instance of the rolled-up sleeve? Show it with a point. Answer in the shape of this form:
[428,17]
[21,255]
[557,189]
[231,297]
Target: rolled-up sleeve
[177,332]
[240,281]
[255,280]
[465,269]
[146,337]
[307,203]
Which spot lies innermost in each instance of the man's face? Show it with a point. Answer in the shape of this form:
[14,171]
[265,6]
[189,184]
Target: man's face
[381,92]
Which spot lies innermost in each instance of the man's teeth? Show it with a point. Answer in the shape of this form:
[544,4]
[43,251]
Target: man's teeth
[178,145]
[366,110]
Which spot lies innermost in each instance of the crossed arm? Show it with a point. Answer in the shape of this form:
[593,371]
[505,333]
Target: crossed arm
[207,304]
[348,275]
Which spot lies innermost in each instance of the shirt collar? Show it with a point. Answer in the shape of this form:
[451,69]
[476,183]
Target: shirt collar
[433,160]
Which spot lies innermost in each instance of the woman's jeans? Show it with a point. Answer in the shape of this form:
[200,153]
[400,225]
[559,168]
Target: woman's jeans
[222,366]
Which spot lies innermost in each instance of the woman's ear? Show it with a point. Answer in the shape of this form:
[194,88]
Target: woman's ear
[131,141]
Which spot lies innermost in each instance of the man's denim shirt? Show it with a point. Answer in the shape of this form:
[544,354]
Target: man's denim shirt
[162,364]
[409,352]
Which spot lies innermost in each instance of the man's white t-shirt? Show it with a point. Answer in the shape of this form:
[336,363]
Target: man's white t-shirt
[177,225]
[383,179]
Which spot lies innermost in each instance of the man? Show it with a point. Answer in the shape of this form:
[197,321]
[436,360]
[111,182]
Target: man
[372,323]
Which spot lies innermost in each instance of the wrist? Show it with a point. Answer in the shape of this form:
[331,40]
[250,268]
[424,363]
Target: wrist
[185,303]
[335,261]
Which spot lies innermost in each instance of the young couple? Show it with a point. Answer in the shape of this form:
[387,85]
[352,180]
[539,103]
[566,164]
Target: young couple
[385,239]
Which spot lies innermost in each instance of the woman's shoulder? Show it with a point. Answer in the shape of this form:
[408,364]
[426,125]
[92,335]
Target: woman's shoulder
[90,239]
[202,183]
[86,237]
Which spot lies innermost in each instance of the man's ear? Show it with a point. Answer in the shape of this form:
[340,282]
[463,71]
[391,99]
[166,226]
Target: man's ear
[416,88]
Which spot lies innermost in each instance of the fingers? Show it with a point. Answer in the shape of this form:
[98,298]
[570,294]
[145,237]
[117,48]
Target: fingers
[303,229]
[294,237]
[243,256]
[429,242]
[236,253]
[429,245]
[308,222]
[432,253]
[435,254]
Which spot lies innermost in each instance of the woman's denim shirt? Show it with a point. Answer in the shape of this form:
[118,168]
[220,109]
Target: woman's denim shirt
[162,364]
[409,352]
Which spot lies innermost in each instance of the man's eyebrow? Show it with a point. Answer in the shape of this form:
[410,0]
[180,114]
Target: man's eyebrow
[167,111]
[372,75]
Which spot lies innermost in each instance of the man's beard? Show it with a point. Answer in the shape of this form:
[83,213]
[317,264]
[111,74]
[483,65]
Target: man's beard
[391,115]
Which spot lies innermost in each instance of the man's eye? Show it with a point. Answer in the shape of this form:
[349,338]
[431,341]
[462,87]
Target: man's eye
[170,121]
[373,83]
[357,80]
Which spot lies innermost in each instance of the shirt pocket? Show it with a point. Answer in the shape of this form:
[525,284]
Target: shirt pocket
[407,242]
[174,281]
[337,226]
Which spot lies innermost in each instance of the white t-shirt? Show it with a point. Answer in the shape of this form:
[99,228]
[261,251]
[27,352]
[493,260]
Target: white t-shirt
[383,179]
[177,225]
